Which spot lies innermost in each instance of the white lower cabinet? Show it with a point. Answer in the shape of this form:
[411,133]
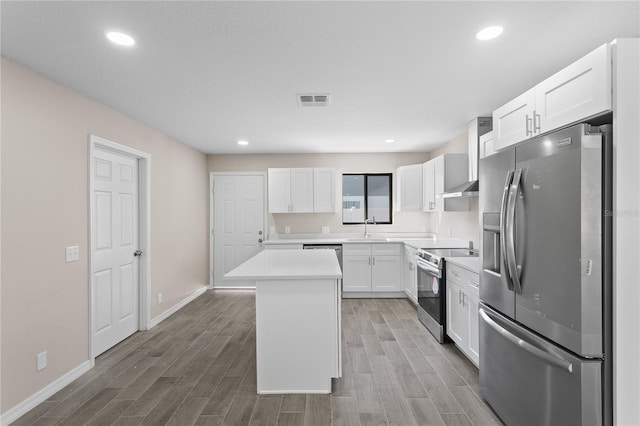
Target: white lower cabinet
[410,276]
[371,268]
[462,310]
[356,272]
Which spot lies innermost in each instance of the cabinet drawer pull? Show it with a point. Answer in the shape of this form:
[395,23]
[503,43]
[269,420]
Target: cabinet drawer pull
[528,130]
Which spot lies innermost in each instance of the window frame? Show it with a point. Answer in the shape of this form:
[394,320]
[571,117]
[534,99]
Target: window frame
[366,197]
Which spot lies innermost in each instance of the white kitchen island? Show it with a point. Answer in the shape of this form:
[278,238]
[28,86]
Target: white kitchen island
[298,324]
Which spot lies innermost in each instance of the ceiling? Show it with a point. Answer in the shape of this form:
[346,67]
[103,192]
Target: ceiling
[211,73]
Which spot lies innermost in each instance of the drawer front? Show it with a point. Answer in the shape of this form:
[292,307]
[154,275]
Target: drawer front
[356,249]
[386,249]
[463,277]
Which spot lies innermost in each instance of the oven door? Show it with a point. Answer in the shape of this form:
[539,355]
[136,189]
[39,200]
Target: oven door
[431,291]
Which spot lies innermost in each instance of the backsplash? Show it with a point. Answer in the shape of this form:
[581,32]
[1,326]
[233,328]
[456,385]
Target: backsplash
[464,225]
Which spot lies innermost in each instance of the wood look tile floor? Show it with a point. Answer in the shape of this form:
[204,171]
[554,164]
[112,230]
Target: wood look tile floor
[198,367]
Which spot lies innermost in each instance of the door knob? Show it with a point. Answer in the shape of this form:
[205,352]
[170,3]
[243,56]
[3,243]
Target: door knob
[260,240]
[137,253]
[259,232]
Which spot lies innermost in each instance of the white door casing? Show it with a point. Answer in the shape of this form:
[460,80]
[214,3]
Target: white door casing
[114,240]
[238,222]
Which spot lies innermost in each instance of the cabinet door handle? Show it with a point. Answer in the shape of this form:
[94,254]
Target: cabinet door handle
[464,299]
[459,297]
[374,261]
[369,260]
[528,130]
[536,122]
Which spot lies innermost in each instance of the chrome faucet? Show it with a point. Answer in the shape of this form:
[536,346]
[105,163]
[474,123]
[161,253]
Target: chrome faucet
[367,221]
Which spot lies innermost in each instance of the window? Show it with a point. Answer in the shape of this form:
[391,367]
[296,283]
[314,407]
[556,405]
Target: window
[366,196]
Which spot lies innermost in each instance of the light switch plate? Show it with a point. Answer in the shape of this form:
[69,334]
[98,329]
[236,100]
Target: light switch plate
[272,230]
[287,229]
[72,254]
[41,361]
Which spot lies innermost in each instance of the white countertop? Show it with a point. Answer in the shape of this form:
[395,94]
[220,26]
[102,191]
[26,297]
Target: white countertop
[288,265]
[415,242]
[470,263]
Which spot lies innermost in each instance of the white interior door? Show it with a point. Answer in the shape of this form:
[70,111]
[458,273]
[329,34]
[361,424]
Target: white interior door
[114,241]
[238,223]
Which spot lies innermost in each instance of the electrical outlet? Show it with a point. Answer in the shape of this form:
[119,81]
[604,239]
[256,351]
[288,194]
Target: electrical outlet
[41,361]
[325,229]
[287,229]
[159,298]
[272,230]
[72,254]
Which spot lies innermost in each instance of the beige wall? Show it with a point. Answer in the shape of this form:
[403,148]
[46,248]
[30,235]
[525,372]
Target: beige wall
[312,223]
[44,301]
[465,225]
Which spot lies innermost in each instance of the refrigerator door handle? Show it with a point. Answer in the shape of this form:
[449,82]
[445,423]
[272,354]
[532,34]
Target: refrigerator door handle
[510,231]
[503,232]
[551,359]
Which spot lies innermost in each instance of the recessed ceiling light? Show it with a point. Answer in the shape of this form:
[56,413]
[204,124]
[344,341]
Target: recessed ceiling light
[120,38]
[489,33]
[243,143]
[389,141]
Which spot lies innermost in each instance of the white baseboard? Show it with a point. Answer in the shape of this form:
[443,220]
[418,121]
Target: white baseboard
[374,295]
[30,403]
[175,308]
[228,287]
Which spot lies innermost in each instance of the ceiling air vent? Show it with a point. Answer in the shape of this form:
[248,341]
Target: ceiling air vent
[313,100]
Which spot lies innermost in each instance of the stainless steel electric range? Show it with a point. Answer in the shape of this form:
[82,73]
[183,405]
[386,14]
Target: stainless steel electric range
[432,287]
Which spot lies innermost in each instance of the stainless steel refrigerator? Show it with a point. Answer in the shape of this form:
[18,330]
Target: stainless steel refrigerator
[545,284]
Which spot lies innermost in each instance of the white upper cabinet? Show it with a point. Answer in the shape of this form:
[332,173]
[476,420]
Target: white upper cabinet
[279,190]
[324,190]
[409,188]
[301,190]
[486,144]
[442,174]
[428,187]
[513,122]
[579,91]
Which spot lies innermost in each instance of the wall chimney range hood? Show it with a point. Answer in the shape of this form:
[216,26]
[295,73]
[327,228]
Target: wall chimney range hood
[477,127]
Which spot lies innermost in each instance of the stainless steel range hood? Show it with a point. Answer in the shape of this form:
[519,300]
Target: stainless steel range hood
[467,190]
[478,127]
